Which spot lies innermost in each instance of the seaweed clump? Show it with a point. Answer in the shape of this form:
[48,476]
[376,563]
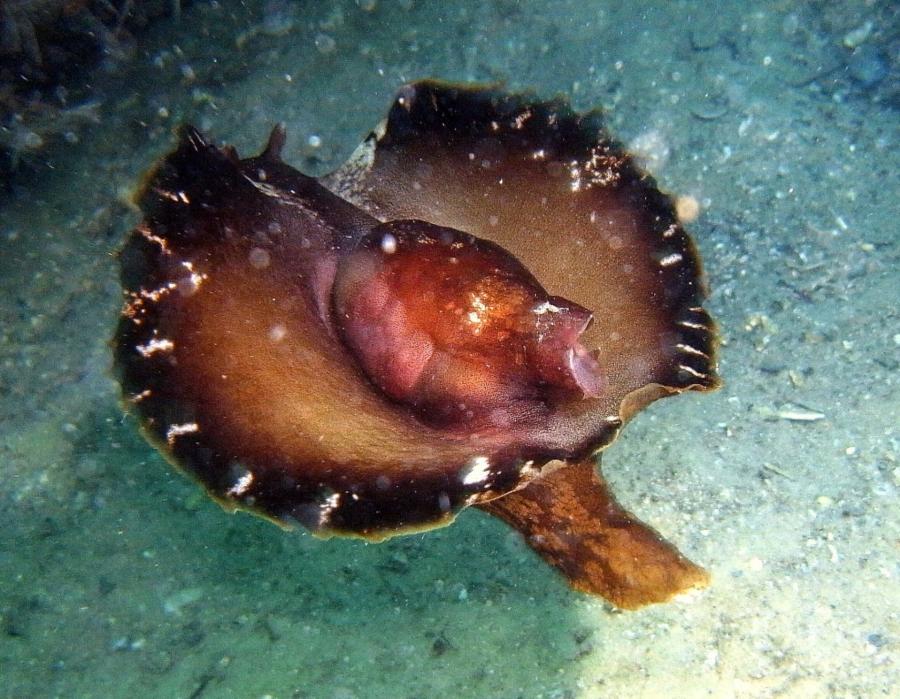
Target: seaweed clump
[45,48]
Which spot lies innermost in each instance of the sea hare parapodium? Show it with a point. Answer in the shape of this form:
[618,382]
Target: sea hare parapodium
[465,313]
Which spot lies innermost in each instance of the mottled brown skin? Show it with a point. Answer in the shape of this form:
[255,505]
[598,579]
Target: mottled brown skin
[572,520]
[265,314]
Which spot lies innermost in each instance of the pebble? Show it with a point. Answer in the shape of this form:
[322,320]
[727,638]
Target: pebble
[174,603]
[710,108]
[798,413]
[651,149]
[867,65]
[126,643]
[855,37]
[791,24]
[687,208]
[876,639]
[325,44]
[755,564]
[32,140]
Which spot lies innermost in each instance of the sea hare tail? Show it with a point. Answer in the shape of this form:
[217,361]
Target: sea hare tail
[572,520]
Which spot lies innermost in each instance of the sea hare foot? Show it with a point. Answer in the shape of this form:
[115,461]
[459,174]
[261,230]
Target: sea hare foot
[572,520]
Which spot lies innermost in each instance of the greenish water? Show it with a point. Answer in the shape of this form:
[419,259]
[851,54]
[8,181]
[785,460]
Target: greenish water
[119,578]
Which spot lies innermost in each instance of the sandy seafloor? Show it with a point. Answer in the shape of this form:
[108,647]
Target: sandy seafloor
[120,579]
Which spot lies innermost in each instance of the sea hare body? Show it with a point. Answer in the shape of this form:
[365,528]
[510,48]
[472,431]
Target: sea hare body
[464,314]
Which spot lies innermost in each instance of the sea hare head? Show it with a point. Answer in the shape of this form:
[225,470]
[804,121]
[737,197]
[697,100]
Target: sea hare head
[458,329]
[488,287]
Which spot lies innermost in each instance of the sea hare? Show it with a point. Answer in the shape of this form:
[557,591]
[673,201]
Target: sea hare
[465,313]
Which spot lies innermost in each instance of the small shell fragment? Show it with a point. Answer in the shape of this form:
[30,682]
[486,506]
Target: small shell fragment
[794,412]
